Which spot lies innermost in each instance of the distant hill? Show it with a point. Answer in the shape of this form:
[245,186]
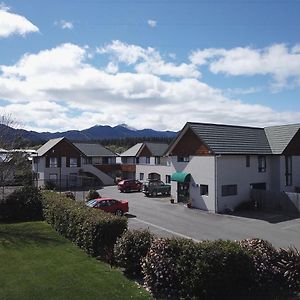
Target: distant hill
[97,132]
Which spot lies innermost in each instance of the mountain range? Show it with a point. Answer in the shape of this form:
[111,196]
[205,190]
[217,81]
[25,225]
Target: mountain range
[98,132]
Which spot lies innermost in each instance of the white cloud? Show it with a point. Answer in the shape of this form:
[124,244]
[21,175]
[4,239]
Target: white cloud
[11,23]
[64,24]
[282,63]
[57,89]
[147,60]
[152,23]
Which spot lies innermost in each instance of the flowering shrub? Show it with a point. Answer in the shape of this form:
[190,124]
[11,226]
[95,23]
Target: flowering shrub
[130,248]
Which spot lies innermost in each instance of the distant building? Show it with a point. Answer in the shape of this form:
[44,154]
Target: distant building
[146,161]
[68,164]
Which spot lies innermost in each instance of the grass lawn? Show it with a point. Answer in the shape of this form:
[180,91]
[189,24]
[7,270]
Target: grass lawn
[37,263]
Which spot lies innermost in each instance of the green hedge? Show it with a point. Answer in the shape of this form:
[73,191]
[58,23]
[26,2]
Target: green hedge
[130,249]
[92,230]
[177,268]
[24,204]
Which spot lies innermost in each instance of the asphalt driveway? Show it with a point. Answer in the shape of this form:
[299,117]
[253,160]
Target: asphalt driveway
[166,219]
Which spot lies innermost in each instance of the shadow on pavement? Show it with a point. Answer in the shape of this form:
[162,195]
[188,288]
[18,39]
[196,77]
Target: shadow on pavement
[271,217]
[130,216]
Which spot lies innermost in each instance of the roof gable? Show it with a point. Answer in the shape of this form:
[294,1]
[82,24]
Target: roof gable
[63,148]
[132,151]
[279,137]
[94,150]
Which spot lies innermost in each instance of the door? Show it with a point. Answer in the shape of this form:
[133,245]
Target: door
[183,193]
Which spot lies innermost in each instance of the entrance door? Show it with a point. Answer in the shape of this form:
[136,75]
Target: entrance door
[183,191]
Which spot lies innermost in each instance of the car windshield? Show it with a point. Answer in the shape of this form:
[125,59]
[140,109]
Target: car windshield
[91,203]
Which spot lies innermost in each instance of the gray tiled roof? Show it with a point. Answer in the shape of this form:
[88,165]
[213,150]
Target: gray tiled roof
[229,139]
[94,149]
[280,136]
[46,147]
[132,151]
[157,149]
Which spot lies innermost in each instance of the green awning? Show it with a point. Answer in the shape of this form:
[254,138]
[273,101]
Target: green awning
[181,177]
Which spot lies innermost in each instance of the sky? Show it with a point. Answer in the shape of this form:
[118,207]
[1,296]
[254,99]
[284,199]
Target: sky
[157,64]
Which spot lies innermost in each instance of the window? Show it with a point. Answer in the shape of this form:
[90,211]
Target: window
[288,171]
[73,162]
[73,179]
[137,160]
[183,159]
[262,164]
[204,189]
[141,176]
[124,160]
[104,160]
[247,161]
[168,178]
[229,190]
[53,162]
[157,160]
[147,160]
[53,177]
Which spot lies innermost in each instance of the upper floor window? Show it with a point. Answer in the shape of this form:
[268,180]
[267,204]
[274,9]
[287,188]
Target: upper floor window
[262,163]
[147,160]
[73,162]
[124,160]
[137,160]
[288,171]
[183,158]
[247,161]
[53,163]
[157,160]
[105,160]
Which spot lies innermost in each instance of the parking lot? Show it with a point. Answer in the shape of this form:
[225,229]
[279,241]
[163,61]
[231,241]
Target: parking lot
[166,219]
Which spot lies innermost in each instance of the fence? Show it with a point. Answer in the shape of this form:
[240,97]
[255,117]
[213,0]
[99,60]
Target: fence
[277,201]
[79,185]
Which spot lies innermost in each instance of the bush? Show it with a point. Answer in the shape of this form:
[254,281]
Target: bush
[289,268]
[264,259]
[180,268]
[277,272]
[92,194]
[130,248]
[50,185]
[24,204]
[70,195]
[92,230]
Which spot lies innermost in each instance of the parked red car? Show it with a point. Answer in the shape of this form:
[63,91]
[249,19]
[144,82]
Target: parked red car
[129,185]
[117,207]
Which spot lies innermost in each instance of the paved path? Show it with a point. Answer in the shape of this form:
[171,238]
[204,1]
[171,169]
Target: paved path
[166,219]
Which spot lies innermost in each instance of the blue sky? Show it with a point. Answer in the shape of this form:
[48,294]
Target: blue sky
[150,64]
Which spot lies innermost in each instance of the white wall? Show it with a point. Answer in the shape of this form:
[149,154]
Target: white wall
[147,169]
[202,170]
[231,169]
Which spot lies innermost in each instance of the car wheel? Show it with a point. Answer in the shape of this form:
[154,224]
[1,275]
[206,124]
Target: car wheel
[119,212]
